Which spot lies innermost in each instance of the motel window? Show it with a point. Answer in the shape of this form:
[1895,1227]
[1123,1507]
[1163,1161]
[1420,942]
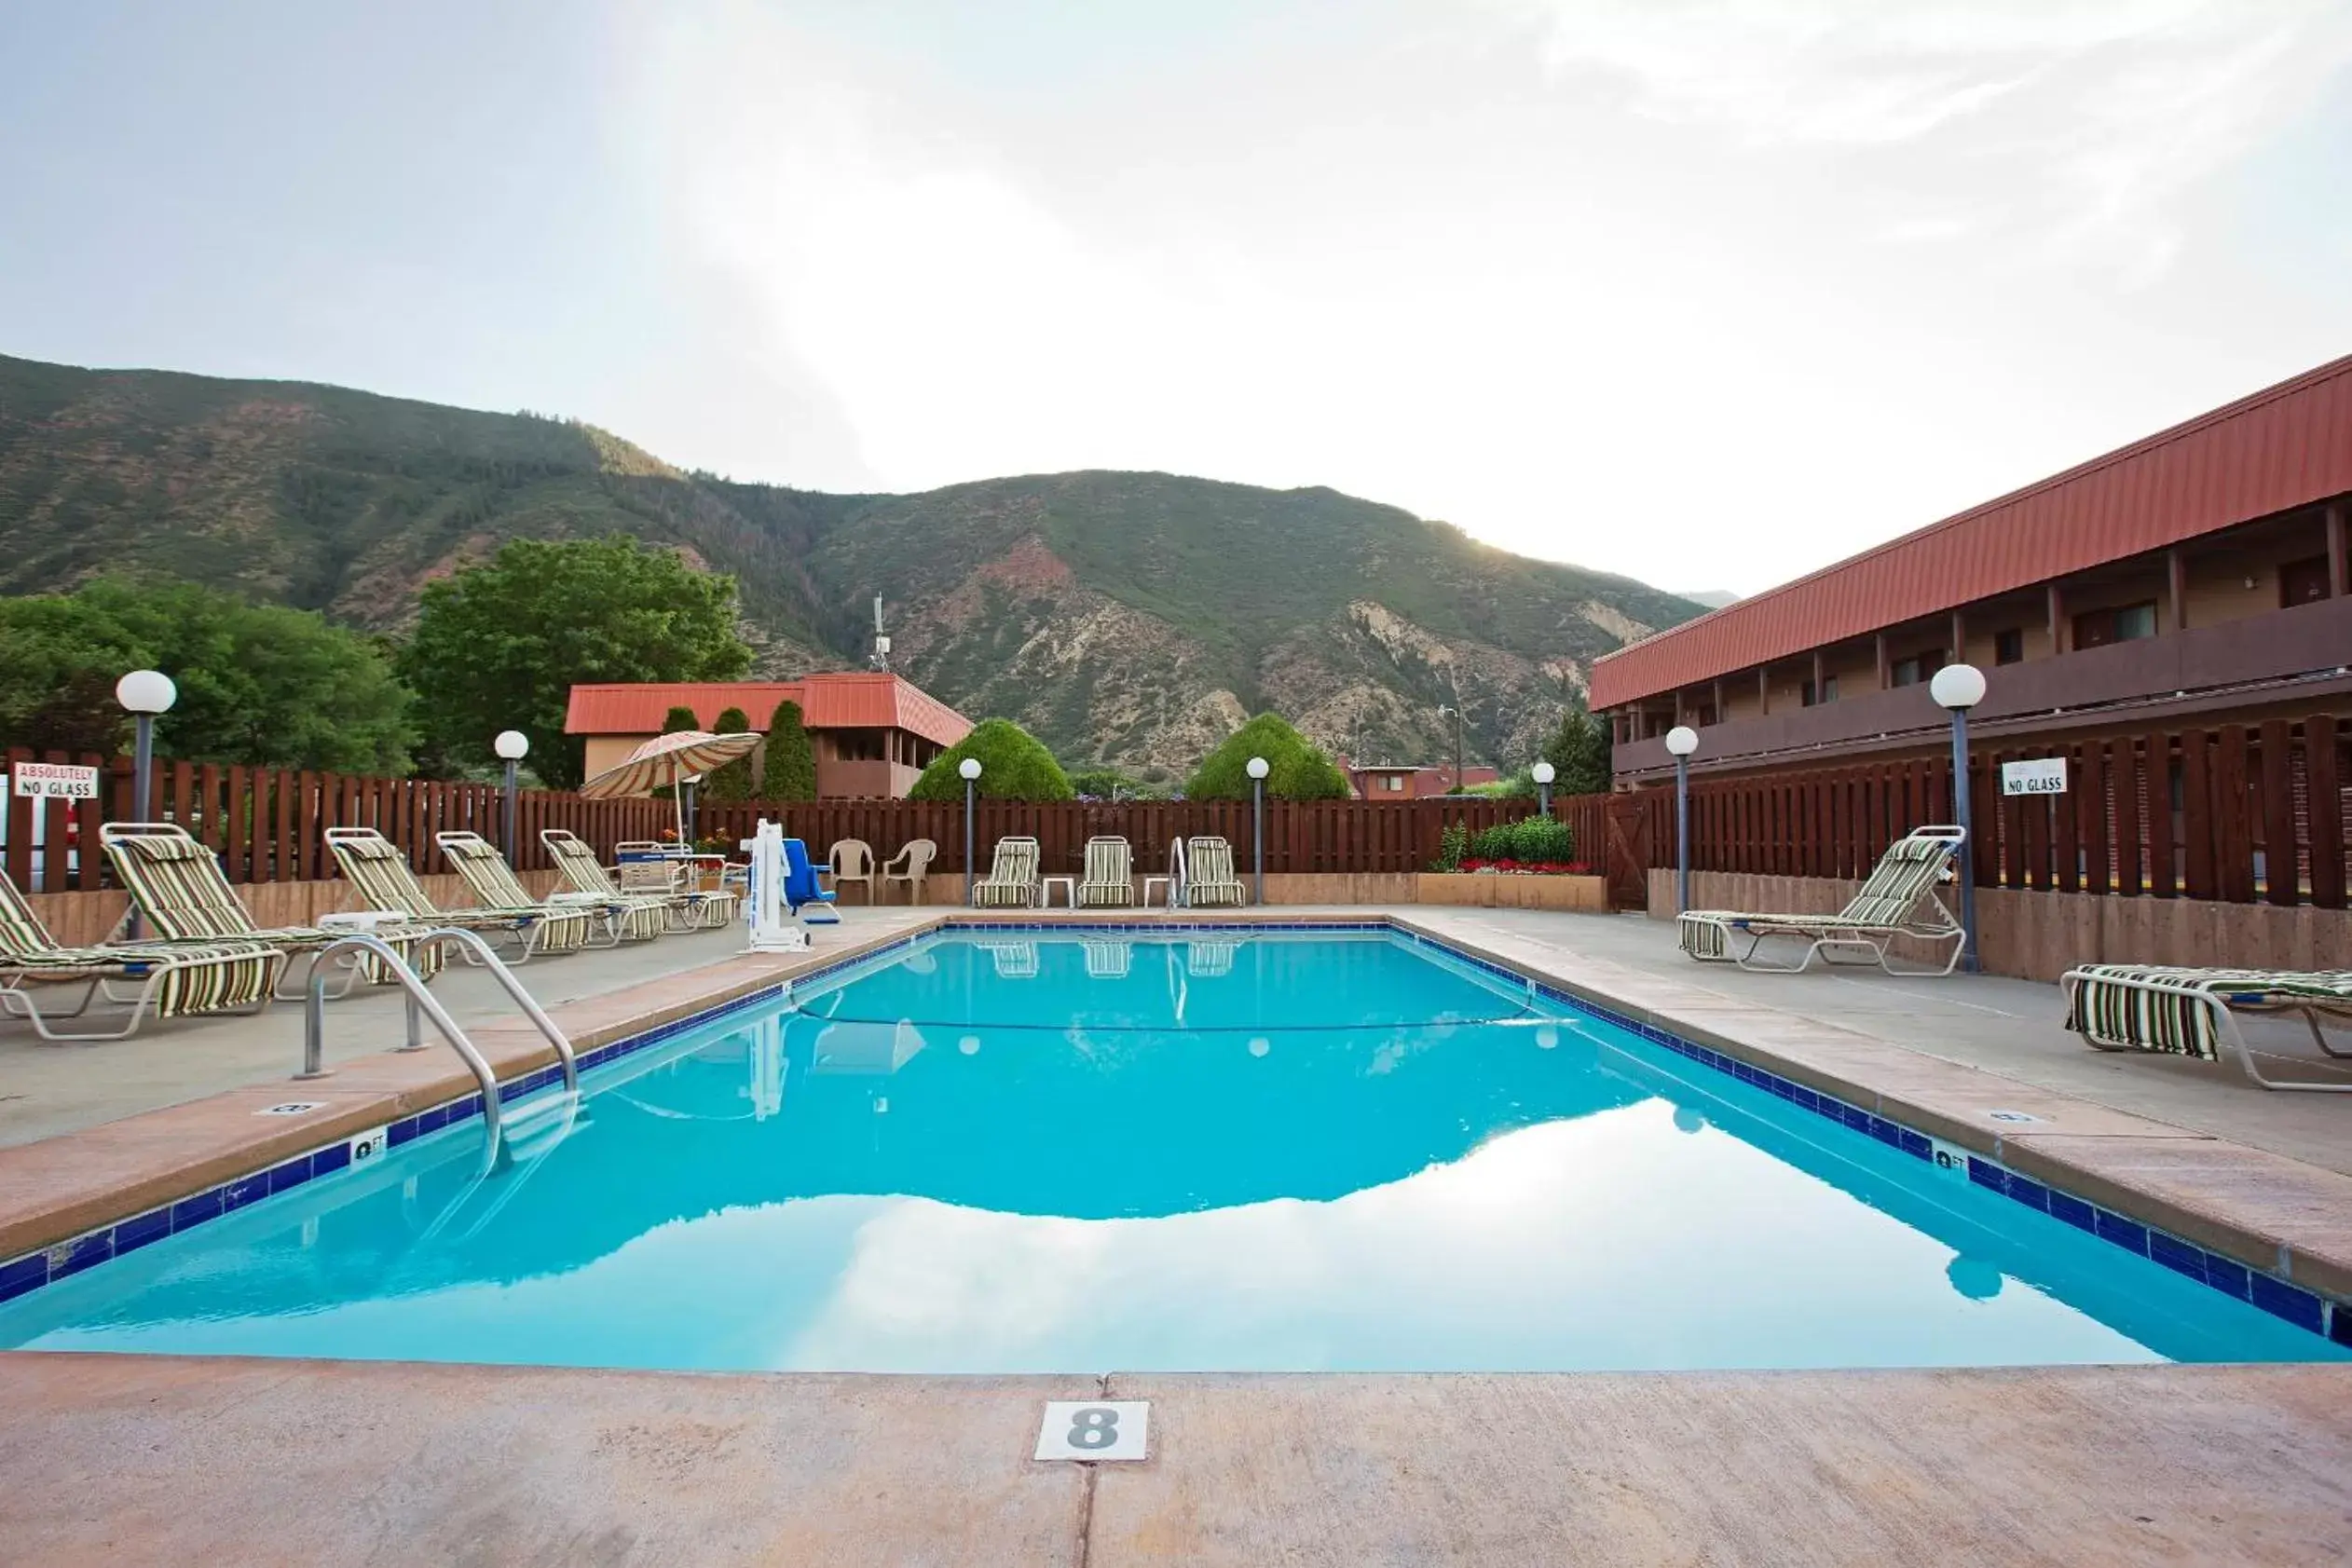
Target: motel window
[2303,583]
[1829,693]
[2008,648]
[1919,667]
[1394,782]
[2124,625]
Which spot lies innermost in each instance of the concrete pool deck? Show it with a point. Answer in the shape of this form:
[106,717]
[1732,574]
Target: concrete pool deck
[143,1458]
[135,1460]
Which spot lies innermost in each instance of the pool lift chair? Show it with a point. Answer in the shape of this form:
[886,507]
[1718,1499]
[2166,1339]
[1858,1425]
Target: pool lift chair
[784,897]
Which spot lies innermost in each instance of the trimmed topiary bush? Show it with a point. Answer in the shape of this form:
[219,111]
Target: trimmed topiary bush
[791,763]
[733,780]
[1297,767]
[1014,766]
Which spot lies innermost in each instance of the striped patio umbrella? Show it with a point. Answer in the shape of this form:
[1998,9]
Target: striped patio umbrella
[671,760]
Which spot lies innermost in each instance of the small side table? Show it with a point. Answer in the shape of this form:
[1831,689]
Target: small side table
[1068,892]
[1151,899]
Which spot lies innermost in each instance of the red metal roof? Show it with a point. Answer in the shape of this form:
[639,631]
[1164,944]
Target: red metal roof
[2283,448]
[838,700]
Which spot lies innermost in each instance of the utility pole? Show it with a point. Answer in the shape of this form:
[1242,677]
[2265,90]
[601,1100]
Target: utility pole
[1454,708]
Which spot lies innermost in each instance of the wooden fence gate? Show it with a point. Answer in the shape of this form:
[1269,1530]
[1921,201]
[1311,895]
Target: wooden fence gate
[1628,861]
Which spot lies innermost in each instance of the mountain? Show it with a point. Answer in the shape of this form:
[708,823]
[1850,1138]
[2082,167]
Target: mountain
[1131,618]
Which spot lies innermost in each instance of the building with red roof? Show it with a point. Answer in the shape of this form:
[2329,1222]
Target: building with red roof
[1408,781]
[2198,572]
[873,733]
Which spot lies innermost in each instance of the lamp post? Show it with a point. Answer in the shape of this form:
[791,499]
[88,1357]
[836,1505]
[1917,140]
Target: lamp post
[144,694]
[1960,687]
[1682,741]
[512,745]
[1443,709]
[1258,767]
[1544,774]
[970,769]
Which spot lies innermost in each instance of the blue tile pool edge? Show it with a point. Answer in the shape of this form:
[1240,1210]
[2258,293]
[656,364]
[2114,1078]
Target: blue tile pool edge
[2280,1297]
[64,1259]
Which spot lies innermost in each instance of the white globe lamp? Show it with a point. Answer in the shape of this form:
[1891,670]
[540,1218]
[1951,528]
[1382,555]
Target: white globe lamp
[1957,689]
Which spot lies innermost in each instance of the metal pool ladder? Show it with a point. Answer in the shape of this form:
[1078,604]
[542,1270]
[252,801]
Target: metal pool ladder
[422,1004]
[1176,872]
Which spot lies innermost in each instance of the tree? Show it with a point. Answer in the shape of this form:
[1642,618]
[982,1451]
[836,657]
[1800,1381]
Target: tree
[500,646]
[1014,765]
[1298,769]
[679,720]
[258,684]
[791,765]
[1579,750]
[1102,781]
[731,782]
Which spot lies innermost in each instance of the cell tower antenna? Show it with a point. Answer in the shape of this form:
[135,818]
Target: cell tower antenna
[881,658]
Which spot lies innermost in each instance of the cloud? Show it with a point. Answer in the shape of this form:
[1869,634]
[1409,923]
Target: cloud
[2082,119]
[964,324]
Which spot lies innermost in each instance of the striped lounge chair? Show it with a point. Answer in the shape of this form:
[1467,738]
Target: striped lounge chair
[1110,880]
[682,908]
[1898,900]
[378,873]
[1210,883]
[2184,1012]
[494,886]
[172,979]
[176,884]
[1011,882]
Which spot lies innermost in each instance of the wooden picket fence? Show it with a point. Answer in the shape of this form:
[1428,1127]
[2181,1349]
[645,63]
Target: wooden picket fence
[267,823]
[2236,812]
[1307,836]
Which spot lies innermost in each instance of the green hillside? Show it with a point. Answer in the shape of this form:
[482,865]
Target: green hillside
[1126,617]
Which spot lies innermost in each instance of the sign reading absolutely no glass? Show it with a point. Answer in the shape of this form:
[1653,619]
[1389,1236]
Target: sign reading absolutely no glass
[56,781]
[2043,776]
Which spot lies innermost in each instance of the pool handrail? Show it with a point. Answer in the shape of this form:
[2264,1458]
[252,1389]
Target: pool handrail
[422,1002]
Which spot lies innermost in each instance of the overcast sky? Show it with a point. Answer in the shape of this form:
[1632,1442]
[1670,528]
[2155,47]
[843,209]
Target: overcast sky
[1707,292]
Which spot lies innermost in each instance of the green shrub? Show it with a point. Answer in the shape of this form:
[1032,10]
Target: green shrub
[1014,765]
[1531,838]
[1297,770]
[1453,843]
[1580,751]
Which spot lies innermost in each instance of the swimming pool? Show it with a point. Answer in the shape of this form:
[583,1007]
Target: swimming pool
[1047,1150]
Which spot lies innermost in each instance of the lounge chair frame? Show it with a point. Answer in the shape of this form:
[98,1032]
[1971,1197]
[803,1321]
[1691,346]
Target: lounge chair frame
[1210,883]
[1898,900]
[491,878]
[381,879]
[1014,879]
[161,979]
[156,858]
[683,909]
[2193,1013]
[1109,883]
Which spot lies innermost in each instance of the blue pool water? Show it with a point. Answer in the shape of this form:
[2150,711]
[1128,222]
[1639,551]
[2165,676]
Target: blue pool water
[1000,1152]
